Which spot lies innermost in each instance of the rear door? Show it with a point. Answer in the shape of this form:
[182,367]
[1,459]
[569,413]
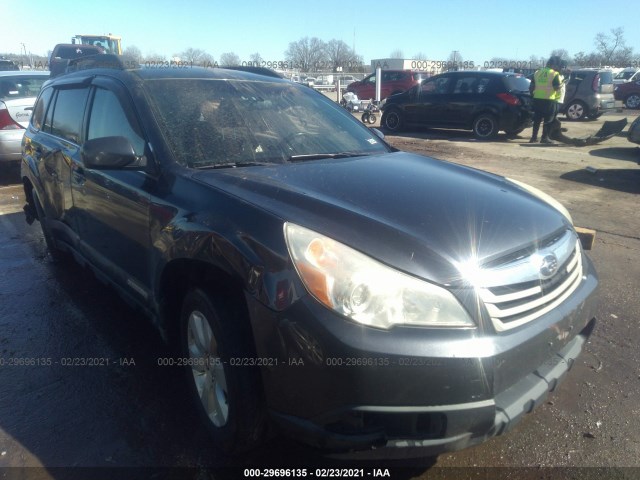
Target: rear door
[467,93]
[53,147]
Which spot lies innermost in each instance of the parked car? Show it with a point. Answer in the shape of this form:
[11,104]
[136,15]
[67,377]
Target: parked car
[63,52]
[484,102]
[628,74]
[8,65]
[393,82]
[18,92]
[629,94]
[354,296]
[589,94]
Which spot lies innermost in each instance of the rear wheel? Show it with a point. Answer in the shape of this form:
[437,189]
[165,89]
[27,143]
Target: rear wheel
[485,126]
[632,101]
[54,251]
[372,118]
[215,339]
[576,111]
[392,120]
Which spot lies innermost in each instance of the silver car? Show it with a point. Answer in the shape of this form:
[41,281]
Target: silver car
[18,92]
[589,94]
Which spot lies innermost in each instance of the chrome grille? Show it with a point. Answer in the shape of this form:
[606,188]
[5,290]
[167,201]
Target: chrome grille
[521,290]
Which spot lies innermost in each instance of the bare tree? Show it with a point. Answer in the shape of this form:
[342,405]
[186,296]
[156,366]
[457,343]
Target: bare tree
[133,52]
[609,46]
[193,55]
[397,53]
[307,54]
[419,56]
[154,57]
[229,59]
[340,54]
[256,59]
[454,61]
[560,52]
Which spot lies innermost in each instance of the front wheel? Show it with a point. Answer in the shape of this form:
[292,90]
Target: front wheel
[372,118]
[632,101]
[485,126]
[365,118]
[227,394]
[392,121]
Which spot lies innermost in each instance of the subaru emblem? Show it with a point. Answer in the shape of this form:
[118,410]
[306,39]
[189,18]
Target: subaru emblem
[548,266]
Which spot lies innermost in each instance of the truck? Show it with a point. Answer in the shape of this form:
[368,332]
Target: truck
[110,43]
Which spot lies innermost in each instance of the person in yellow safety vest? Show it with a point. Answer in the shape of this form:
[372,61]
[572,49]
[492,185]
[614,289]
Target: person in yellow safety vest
[546,91]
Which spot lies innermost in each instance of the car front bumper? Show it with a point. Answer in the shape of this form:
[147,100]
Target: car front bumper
[358,391]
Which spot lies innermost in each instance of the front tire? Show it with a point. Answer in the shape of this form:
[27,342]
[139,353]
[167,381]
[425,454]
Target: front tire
[215,338]
[392,120]
[632,101]
[485,127]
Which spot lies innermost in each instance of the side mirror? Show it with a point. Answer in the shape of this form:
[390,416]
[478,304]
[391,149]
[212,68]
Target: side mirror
[378,133]
[107,152]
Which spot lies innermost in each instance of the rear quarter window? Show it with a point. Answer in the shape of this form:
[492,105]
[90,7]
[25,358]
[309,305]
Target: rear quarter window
[40,109]
[517,83]
[20,86]
[606,76]
[68,113]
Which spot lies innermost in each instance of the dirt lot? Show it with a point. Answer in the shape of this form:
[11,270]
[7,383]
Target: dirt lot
[594,418]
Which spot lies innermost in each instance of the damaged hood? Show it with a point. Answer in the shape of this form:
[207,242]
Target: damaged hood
[416,213]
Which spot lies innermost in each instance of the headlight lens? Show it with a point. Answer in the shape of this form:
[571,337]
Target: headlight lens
[364,289]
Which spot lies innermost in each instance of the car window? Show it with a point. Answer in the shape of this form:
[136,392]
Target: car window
[606,76]
[75,51]
[210,122]
[517,83]
[109,119]
[436,85]
[371,79]
[21,86]
[464,85]
[68,113]
[40,108]
[393,76]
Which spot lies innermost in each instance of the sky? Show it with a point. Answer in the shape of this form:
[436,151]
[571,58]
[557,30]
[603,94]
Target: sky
[478,30]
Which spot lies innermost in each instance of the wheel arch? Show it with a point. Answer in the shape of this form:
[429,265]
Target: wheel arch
[181,275]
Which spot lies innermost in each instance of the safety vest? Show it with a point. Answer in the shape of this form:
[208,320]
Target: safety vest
[543,79]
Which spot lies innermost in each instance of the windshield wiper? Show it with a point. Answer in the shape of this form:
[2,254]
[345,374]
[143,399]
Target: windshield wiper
[319,156]
[205,166]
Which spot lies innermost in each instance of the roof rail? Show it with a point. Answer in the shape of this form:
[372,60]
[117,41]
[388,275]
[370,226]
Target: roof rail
[103,60]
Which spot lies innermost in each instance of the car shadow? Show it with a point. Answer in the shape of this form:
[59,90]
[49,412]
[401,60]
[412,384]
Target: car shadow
[622,180]
[450,135]
[9,174]
[630,154]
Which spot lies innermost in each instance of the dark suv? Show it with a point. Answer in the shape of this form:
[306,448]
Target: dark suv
[393,81]
[484,102]
[315,279]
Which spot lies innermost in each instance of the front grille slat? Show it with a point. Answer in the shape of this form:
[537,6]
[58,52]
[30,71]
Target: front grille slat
[518,302]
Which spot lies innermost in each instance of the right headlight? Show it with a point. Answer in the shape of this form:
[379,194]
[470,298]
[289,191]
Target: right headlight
[365,290]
